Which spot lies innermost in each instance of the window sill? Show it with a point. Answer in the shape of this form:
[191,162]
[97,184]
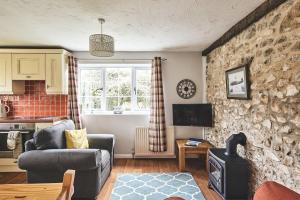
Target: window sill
[144,113]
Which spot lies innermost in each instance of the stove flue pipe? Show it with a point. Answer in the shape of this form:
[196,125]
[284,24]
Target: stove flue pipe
[233,141]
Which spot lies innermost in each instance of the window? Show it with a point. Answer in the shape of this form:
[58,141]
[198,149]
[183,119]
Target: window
[105,87]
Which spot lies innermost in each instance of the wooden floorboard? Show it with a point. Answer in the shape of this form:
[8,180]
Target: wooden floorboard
[195,166]
[12,177]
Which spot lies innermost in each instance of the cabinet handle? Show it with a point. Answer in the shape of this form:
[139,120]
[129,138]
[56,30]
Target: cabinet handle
[53,63]
[28,76]
[48,86]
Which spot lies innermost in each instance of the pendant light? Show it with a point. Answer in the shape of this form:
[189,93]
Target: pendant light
[101,45]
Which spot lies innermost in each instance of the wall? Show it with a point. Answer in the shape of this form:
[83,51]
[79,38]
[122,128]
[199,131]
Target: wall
[35,102]
[271,119]
[177,67]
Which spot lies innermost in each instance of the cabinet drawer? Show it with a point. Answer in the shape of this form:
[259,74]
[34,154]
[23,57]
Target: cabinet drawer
[28,66]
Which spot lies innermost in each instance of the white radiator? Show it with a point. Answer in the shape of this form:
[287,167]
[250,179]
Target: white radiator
[141,146]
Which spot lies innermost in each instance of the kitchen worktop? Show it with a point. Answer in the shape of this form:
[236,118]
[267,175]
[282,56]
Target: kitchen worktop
[31,119]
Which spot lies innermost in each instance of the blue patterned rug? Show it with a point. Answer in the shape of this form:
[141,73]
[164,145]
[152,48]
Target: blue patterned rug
[155,186]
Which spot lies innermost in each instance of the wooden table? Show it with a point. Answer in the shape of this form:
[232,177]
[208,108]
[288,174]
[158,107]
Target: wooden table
[183,150]
[40,191]
[45,191]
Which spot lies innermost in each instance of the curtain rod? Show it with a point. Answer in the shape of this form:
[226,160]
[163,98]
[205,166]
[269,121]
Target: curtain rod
[163,59]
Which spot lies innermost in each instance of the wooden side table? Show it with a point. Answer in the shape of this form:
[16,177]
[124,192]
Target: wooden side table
[183,150]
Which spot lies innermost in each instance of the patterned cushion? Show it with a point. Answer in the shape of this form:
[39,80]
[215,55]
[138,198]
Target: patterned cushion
[76,139]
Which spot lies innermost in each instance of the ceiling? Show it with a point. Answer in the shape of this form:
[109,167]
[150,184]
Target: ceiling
[136,25]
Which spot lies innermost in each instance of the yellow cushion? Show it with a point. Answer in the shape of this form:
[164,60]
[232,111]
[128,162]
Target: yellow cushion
[76,139]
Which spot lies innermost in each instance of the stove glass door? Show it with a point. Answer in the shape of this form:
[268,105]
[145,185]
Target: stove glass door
[216,174]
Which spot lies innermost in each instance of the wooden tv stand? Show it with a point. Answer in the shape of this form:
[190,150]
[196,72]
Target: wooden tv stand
[183,150]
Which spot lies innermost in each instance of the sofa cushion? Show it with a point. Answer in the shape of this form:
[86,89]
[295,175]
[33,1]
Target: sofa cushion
[77,139]
[105,159]
[53,137]
[271,190]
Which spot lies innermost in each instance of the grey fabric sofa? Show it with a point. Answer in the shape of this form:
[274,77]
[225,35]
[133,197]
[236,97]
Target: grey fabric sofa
[46,159]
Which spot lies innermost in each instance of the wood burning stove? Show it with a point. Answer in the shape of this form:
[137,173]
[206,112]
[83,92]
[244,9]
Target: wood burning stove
[228,173]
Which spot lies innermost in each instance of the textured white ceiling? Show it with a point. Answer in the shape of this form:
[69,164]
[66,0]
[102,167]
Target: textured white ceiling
[136,25]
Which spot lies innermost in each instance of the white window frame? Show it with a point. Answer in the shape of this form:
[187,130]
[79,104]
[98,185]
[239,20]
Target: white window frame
[103,67]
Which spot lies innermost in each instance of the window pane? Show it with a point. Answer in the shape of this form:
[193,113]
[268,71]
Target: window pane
[89,104]
[117,74]
[112,89]
[143,103]
[111,74]
[143,81]
[95,103]
[125,74]
[111,102]
[125,89]
[125,103]
[90,89]
[118,88]
[91,83]
[143,75]
[143,88]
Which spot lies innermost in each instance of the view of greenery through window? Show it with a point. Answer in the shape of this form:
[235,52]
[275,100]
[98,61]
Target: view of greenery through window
[104,88]
[143,89]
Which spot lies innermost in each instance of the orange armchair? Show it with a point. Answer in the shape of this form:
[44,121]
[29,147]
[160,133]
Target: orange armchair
[271,190]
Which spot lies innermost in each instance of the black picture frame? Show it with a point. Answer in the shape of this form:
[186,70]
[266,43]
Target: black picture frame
[238,83]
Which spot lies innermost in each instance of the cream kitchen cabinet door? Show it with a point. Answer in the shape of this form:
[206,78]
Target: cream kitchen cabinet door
[28,66]
[56,74]
[5,74]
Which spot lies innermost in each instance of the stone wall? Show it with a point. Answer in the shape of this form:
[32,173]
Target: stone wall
[271,119]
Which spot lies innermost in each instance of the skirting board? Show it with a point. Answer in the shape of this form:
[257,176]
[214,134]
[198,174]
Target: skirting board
[155,156]
[143,156]
[123,155]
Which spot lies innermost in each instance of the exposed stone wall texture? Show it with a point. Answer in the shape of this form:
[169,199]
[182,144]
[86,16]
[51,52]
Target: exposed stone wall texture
[271,119]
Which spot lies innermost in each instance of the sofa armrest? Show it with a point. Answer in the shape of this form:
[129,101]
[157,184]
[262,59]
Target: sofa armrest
[102,141]
[29,145]
[60,159]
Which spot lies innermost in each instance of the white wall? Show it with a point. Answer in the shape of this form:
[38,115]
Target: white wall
[178,66]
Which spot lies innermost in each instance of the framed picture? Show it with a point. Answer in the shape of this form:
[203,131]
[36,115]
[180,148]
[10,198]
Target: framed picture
[237,82]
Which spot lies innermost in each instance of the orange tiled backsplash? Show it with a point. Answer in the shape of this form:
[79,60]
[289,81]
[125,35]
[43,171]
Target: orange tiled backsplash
[35,102]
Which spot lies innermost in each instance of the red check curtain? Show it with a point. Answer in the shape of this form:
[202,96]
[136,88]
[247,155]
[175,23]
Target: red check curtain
[73,109]
[157,128]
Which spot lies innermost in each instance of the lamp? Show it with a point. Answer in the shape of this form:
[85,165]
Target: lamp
[101,45]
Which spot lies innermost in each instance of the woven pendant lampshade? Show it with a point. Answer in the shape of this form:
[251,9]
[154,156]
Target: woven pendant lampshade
[101,45]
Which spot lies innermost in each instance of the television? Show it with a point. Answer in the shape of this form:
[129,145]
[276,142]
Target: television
[192,115]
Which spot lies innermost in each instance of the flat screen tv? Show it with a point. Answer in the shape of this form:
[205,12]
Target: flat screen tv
[192,115]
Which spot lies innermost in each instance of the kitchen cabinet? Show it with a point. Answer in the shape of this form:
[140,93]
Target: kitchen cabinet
[56,74]
[7,85]
[28,66]
[19,65]
[5,75]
